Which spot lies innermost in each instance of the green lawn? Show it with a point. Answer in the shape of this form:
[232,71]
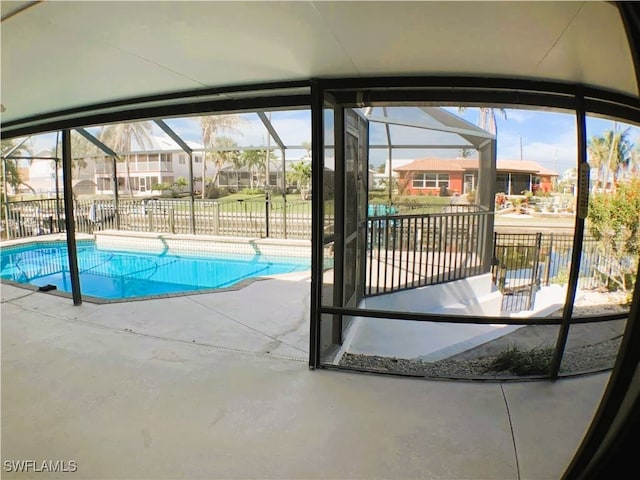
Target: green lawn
[248,203]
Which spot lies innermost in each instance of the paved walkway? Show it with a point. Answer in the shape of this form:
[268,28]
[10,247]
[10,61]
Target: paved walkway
[217,386]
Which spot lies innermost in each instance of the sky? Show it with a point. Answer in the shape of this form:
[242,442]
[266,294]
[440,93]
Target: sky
[546,137]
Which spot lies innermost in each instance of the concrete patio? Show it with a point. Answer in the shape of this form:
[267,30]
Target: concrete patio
[217,386]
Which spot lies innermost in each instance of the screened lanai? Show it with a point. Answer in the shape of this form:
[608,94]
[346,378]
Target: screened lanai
[577,58]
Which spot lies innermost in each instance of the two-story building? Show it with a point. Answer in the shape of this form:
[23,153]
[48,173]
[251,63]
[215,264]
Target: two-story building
[139,172]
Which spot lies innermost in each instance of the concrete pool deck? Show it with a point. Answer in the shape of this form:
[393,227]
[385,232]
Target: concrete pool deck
[217,386]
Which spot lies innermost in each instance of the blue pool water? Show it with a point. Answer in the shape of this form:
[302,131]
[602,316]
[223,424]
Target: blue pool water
[118,275]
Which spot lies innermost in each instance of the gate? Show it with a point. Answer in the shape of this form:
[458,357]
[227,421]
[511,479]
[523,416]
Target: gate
[516,264]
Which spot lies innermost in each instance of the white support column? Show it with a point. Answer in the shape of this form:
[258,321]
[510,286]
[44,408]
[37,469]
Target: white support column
[486,198]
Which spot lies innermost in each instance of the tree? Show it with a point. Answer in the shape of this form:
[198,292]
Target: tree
[610,153]
[634,165]
[77,165]
[211,126]
[80,149]
[224,157]
[614,221]
[120,138]
[597,150]
[301,176]
[11,169]
[619,153]
[181,183]
[255,161]
[487,119]
[307,147]
[465,152]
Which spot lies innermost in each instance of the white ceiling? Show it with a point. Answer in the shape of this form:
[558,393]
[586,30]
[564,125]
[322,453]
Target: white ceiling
[57,55]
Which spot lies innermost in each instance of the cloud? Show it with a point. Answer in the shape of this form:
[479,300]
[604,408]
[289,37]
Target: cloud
[519,116]
[559,154]
[187,128]
[293,127]
[44,141]
[293,131]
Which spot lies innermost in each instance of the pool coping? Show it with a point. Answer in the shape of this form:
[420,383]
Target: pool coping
[180,243]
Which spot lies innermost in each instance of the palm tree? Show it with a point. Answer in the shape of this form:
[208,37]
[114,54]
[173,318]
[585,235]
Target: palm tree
[465,152]
[634,165]
[120,138]
[621,153]
[301,175]
[224,157]
[211,126]
[487,119]
[254,160]
[307,147]
[610,152]
[80,149]
[11,169]
[598,151]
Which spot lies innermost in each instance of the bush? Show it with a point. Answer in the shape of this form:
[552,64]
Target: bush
[524,362]
[614,221]
[214,192]
[471,196]
[561,277]
[252,191]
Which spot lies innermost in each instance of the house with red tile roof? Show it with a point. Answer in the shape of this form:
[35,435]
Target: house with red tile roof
[430,176]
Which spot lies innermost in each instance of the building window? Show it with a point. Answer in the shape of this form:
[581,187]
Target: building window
[197,159]
[430,180]
[182,159]
[104,183]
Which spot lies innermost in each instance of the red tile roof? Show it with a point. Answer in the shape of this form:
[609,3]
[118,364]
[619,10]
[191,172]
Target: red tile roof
[463,164]
[523,166]
[434,165]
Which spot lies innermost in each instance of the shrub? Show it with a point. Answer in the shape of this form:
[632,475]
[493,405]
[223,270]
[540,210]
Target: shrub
[614,221]
[252,191]
[523,362]
[214,192]
[471,196]
[561,277]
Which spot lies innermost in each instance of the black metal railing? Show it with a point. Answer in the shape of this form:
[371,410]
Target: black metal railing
[408,251]
[516,272]
[523,263]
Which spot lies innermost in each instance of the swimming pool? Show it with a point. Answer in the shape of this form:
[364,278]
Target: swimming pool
[112,275]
